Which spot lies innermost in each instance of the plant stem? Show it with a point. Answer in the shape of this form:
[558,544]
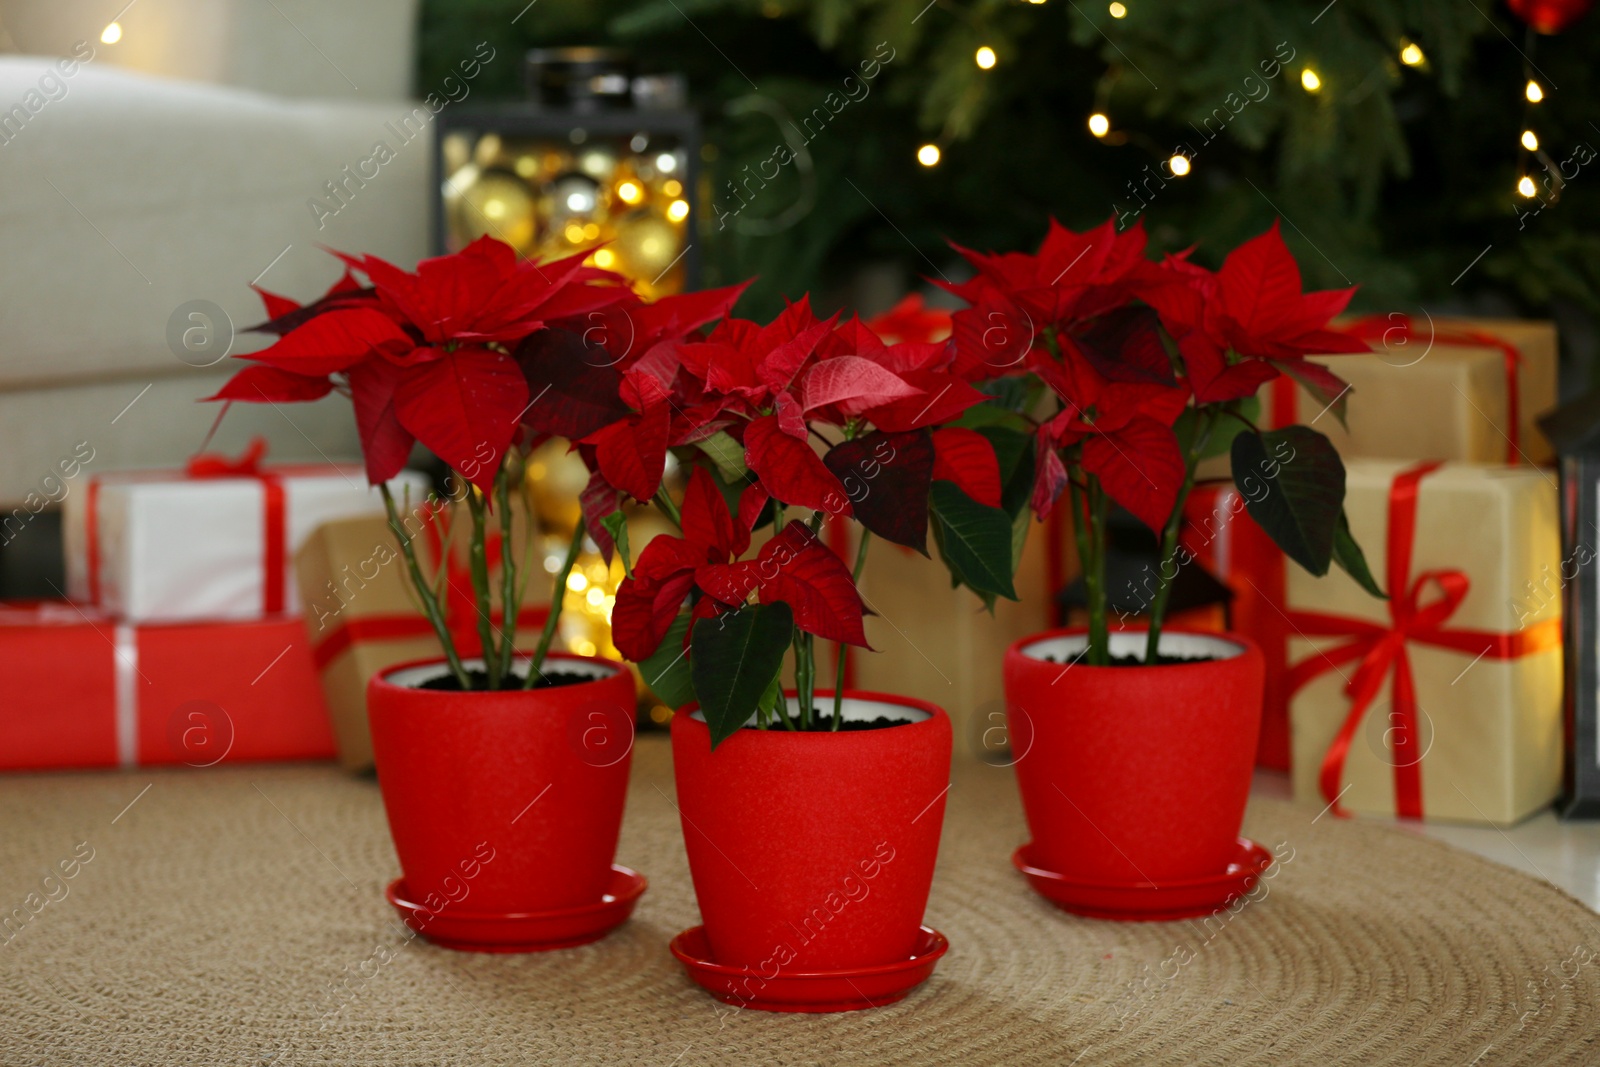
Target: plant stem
[1097,654]
[805,676]
[805,657]
[664,502]
[510,593]
[430,603]
[558,594]
[1099,630]
[478,558]
[1168,573]
[844,649]
[788,723]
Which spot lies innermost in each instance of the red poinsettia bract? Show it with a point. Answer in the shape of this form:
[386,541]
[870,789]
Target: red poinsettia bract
[1126,432]
[1255,308]
[1081,313]
[793,568]
[770,387]
[424,355]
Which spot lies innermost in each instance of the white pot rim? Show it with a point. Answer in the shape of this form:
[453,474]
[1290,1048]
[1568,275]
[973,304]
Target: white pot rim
[1183,644]
[415,675]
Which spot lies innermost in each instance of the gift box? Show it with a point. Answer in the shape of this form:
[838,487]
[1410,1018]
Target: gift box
[1219,535]
[85,690]
[939,644]
[1486,382]
[362,617]
[1469,390]
[1445,701]
[213,541]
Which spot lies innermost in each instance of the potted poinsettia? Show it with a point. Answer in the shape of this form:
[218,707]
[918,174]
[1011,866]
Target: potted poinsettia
[1136,746]
[503,770]
[811,815]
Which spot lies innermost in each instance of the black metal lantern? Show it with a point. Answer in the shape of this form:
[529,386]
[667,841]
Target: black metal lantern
[598,157]
[1574,429]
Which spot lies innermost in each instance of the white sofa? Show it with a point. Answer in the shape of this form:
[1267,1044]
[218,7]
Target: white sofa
[124,196]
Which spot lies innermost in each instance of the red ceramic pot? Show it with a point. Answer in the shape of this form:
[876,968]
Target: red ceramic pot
[1134,774]
[511,800]
[814,851]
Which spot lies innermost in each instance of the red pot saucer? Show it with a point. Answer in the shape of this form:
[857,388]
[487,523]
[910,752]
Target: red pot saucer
[851,989]
[1148,901]
[476,931]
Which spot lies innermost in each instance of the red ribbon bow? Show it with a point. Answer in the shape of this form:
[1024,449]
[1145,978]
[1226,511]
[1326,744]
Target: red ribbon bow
[1381,649]
[216,465]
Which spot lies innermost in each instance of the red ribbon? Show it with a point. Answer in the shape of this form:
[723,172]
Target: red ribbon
[1403,328]
[395,627]
[91,519]
[460,602]
[274,537]
[274,551]
[1380,649]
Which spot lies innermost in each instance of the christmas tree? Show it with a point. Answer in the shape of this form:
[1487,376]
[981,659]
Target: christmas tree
[1401,143]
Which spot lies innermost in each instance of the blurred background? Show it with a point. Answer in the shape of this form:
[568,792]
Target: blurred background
[1389,136]
[1439,154]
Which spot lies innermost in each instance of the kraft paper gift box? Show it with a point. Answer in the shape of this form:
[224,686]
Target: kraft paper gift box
[362,617]
[211,542]
[1453,389]
[1443,703]
[1485,410]
[939,644]
[85,690]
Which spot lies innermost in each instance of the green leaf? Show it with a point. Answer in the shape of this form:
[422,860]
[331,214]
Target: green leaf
[727,455]
[1348,555]
[1020,525]
[1304,490]
[1017,394]
[990,413]
[616,525]
[772,699]
[974,540]
[666,670]
[734,659]
[1224,427]
[1014,451]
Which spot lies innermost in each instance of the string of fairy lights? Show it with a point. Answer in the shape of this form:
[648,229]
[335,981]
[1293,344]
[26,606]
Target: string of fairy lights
[1179,165]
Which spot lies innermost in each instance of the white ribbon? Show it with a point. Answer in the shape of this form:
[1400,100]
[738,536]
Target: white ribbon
[127,686]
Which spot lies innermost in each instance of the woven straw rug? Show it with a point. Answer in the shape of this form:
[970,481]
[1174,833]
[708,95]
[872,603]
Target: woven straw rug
[235,917]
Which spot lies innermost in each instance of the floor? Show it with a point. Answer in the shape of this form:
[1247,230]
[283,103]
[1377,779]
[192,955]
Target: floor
[1565,854]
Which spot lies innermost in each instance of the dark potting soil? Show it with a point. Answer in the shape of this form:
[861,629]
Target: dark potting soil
[1138,661]
[824,725]
[480,681]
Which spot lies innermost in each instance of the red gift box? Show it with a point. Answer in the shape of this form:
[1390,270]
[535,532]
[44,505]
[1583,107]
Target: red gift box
[87,691]
[1220,534]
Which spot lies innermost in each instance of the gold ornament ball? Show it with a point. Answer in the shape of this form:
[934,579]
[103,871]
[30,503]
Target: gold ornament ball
[646,245]
[555,478]
[497,204]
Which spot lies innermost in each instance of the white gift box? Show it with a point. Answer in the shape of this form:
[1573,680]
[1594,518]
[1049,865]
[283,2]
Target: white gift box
[167,546]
